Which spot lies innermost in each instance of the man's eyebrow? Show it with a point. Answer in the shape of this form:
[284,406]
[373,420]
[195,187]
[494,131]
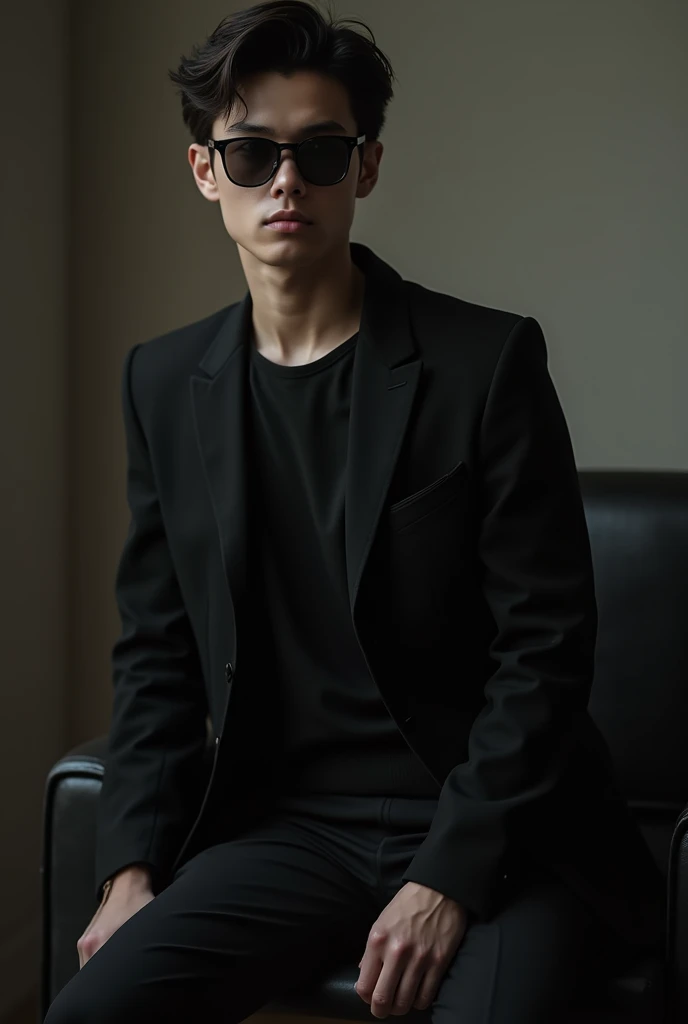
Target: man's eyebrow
[309,129]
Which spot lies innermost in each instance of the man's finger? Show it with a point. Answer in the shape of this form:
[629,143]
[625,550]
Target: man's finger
[386,988]
[370,971]
[427,990]
[407,989]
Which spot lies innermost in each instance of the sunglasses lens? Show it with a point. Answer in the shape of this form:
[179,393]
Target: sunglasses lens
[249,161]
[323,161]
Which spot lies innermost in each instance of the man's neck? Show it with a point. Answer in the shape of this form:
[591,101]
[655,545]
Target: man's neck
[300,317]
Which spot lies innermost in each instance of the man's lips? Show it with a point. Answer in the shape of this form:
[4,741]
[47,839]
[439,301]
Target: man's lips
[289,226]
[282,215]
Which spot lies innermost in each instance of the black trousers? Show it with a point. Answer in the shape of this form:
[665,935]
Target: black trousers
[295,894]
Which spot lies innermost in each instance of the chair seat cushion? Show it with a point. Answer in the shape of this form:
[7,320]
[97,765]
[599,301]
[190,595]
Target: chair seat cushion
[637,994]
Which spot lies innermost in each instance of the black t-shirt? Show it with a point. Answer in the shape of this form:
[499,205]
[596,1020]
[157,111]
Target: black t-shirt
[330,730]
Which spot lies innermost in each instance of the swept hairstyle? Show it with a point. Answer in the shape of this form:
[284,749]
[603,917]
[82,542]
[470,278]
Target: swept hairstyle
[283,36]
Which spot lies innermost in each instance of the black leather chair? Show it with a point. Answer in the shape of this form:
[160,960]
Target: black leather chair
[638,522]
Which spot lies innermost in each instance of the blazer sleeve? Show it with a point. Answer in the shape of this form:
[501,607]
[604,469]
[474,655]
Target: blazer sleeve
[153,774]
[537,579]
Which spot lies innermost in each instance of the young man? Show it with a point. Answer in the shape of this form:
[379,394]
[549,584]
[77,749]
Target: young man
[358,546]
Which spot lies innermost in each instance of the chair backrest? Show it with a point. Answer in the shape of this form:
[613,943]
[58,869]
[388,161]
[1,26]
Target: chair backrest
[638,525]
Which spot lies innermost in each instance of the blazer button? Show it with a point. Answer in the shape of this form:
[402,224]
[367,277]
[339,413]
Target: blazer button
[229,672]
[217,740]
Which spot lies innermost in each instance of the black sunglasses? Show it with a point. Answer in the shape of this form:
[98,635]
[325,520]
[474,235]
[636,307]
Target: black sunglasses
[321,160]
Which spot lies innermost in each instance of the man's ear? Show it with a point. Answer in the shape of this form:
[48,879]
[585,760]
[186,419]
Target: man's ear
[369,170]
[199,158]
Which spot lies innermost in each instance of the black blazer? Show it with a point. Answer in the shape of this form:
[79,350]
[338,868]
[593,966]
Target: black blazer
[471,591]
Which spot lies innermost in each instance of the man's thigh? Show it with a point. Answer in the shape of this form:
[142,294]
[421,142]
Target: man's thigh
[528,965]
[240,923]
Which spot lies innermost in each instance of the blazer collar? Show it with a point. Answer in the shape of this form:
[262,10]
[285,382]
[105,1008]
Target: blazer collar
[384,317]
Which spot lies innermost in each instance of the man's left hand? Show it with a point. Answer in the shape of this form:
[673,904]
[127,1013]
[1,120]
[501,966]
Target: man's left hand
[409,949]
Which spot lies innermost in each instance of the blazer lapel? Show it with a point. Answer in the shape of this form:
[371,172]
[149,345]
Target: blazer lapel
[219,408]
[385,379]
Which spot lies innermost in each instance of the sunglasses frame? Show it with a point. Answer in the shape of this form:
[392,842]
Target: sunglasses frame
[352,142]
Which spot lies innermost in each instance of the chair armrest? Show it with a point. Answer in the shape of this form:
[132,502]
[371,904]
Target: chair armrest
[67,857]
[70,804]
[677,917]
[87,758]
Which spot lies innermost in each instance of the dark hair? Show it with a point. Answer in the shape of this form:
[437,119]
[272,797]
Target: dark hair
[283,36]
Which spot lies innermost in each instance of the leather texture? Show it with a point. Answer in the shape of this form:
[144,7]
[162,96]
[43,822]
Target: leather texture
[637,522]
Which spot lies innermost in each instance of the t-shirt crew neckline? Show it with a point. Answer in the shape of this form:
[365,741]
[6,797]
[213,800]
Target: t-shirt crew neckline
[303,369]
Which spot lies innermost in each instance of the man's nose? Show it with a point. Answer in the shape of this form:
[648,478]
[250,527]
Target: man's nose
[287,167]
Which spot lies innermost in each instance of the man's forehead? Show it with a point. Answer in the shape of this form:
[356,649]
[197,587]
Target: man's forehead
[272,103]
[296,124]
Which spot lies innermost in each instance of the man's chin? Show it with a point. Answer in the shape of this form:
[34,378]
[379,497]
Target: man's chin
[286,252]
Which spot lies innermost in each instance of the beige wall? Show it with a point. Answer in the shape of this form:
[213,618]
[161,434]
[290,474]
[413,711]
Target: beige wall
[559,190]
[33,458]
[535,158]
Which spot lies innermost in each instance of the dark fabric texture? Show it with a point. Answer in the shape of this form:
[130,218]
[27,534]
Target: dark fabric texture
[471,594]
[333,733]
[295,894]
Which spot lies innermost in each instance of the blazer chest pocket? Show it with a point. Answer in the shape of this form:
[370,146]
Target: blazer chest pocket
[430,498]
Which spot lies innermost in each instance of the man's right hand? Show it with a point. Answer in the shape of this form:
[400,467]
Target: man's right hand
[131,889]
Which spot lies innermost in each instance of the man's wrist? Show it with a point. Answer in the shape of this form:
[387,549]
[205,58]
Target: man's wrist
[132,878]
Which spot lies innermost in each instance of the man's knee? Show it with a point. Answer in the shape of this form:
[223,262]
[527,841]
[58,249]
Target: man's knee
[68,1008]
[81,1001]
